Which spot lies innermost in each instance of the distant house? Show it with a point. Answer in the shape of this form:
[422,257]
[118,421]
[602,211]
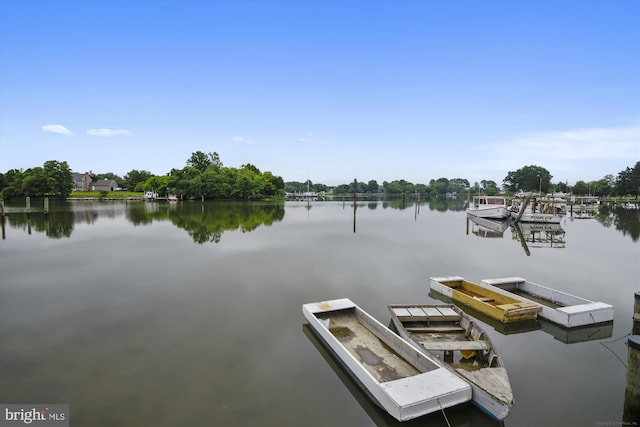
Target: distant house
[104,185]
[81,181]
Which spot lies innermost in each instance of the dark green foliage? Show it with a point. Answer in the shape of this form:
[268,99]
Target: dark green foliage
[52,179]
[528,178]
[628,182]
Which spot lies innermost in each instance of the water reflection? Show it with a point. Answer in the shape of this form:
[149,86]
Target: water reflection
[206,222]
[538,235]
[486,228]
[530,235]
[625,220]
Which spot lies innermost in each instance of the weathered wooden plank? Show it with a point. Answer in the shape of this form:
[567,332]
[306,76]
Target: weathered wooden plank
[453,345]
[436,329]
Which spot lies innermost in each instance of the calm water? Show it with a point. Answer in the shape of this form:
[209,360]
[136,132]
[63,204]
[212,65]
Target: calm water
[190,314]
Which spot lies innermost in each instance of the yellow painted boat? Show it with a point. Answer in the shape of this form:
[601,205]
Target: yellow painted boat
[494,304]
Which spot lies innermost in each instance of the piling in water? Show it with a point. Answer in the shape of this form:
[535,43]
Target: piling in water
[46,205]
[28,204]
[631,415]
[636,315]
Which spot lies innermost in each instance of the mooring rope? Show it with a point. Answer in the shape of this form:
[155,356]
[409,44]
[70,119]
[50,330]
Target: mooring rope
[445,415]
[604,344]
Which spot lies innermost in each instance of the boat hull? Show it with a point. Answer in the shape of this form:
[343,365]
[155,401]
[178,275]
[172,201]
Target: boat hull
[489,213]
[505,308]
[559,307]
[430,389]
[538,217]
[433,329]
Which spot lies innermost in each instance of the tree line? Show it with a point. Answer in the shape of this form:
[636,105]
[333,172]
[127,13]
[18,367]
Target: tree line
[205,177]
[528,178]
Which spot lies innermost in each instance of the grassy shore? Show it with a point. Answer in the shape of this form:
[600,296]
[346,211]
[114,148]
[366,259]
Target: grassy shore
[105,194]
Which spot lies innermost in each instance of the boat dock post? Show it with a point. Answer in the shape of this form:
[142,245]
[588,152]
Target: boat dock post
[636,315]
[2,207]
[28,204]
[46,205]
[631,413]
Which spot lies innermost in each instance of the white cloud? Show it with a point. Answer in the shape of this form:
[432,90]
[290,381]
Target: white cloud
[237,138]
[108,132]
[59,129]
[586,153]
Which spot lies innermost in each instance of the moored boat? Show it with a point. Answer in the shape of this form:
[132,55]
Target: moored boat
[533,208]
[444,331]
[505,308]
[405,382]
[492,207]
[559,307]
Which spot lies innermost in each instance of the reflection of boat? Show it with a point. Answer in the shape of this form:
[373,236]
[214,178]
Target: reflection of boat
[494,304]
[531,208]
[494,207]
[557,306]
[541,235]
[446,332]
[511,328]
[576,335]
[406,383]
[483,227]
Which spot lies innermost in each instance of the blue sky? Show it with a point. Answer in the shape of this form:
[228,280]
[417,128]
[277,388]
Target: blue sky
[327,90]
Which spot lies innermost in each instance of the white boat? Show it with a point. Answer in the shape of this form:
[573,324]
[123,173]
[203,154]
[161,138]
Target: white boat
[150,195]
[404,382]
[444,331]
[559,307]
[492,207]
[532,208]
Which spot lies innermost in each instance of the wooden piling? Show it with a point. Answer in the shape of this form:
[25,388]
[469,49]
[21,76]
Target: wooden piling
[636,315]
[2,207]
[28,204]
[46,205]
[631,414]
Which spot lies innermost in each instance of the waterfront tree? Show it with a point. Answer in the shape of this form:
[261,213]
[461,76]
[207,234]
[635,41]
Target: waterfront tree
[199,160]
[628,181]
[135,177]
[59,178]
[528,178]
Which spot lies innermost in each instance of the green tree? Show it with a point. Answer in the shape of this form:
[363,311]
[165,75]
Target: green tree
[581,188]
[12,185]
[604,186]
[59,177]
[372,186]
[135,177]
[528,178]
[216,163]
[628,181]
[199,160]
[35,183]
[439,186]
